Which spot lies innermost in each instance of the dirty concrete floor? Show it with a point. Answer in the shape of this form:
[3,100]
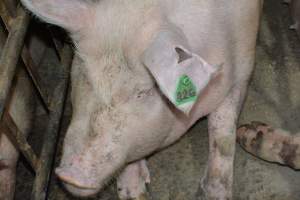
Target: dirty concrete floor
[273,97]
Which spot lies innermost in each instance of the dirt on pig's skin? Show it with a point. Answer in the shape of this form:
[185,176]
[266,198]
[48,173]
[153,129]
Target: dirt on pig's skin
[270,144]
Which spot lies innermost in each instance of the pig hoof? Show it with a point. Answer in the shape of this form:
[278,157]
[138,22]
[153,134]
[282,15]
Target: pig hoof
[133,180]
[132,193]
[134,190]
[254,126]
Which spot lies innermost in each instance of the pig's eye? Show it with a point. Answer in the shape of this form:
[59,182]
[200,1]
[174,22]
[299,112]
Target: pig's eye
[140,94]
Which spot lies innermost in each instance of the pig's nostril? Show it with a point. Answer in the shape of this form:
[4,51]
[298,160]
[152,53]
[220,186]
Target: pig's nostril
[68,178]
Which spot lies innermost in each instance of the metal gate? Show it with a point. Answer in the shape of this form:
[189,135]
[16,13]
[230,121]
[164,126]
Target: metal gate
[16,21]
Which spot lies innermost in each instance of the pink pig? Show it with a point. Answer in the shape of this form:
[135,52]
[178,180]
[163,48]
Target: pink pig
[143,74]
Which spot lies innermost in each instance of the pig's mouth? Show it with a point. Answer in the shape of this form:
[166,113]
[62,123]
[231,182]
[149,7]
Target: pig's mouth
[74,182]
[77,184]
[82,183]
[83,175]
[79,191]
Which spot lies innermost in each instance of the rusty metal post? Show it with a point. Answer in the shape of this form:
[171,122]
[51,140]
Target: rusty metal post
[12,129]
[26,57]
[17,27]
[20,140]
[11,7]
[45,163]
[10,55]
[8,62]
[5,15]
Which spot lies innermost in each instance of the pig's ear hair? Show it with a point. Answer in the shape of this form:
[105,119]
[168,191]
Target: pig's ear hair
[180,74]
[68,14]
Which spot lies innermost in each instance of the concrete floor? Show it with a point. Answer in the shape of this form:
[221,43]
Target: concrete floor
[273,97]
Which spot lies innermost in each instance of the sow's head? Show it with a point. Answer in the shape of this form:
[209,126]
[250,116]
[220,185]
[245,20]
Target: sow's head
[133,79]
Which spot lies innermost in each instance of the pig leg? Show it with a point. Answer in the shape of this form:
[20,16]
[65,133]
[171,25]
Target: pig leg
[217,182]
[267,143]
[132,181]
[8,160]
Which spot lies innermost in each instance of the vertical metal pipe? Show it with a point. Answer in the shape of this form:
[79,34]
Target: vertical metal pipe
[45,163]
[11,7]
[10,55]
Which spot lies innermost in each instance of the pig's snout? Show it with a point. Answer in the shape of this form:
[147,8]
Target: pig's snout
[83,176]
[76,182]
[73,179]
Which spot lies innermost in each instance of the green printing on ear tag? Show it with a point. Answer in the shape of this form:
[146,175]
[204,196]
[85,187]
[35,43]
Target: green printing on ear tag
[186,91]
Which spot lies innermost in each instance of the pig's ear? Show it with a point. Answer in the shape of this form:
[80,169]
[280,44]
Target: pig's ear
[69,14]
[180,74]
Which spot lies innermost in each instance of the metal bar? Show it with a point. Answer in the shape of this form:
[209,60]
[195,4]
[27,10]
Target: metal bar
[28,61]
[11,6]
[45,163]
[57,44]
[20,139]
[30,66]
[2,37]
[13,131]
[10,55]
[5,15]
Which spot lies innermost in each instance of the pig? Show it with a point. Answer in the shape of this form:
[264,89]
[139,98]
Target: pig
[273,145]
[144,72]
[20,108]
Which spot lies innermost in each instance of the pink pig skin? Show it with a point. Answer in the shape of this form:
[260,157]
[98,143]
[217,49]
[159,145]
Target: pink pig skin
[120,115]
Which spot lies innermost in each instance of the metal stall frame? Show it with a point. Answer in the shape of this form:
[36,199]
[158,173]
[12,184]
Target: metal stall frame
[16,21]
